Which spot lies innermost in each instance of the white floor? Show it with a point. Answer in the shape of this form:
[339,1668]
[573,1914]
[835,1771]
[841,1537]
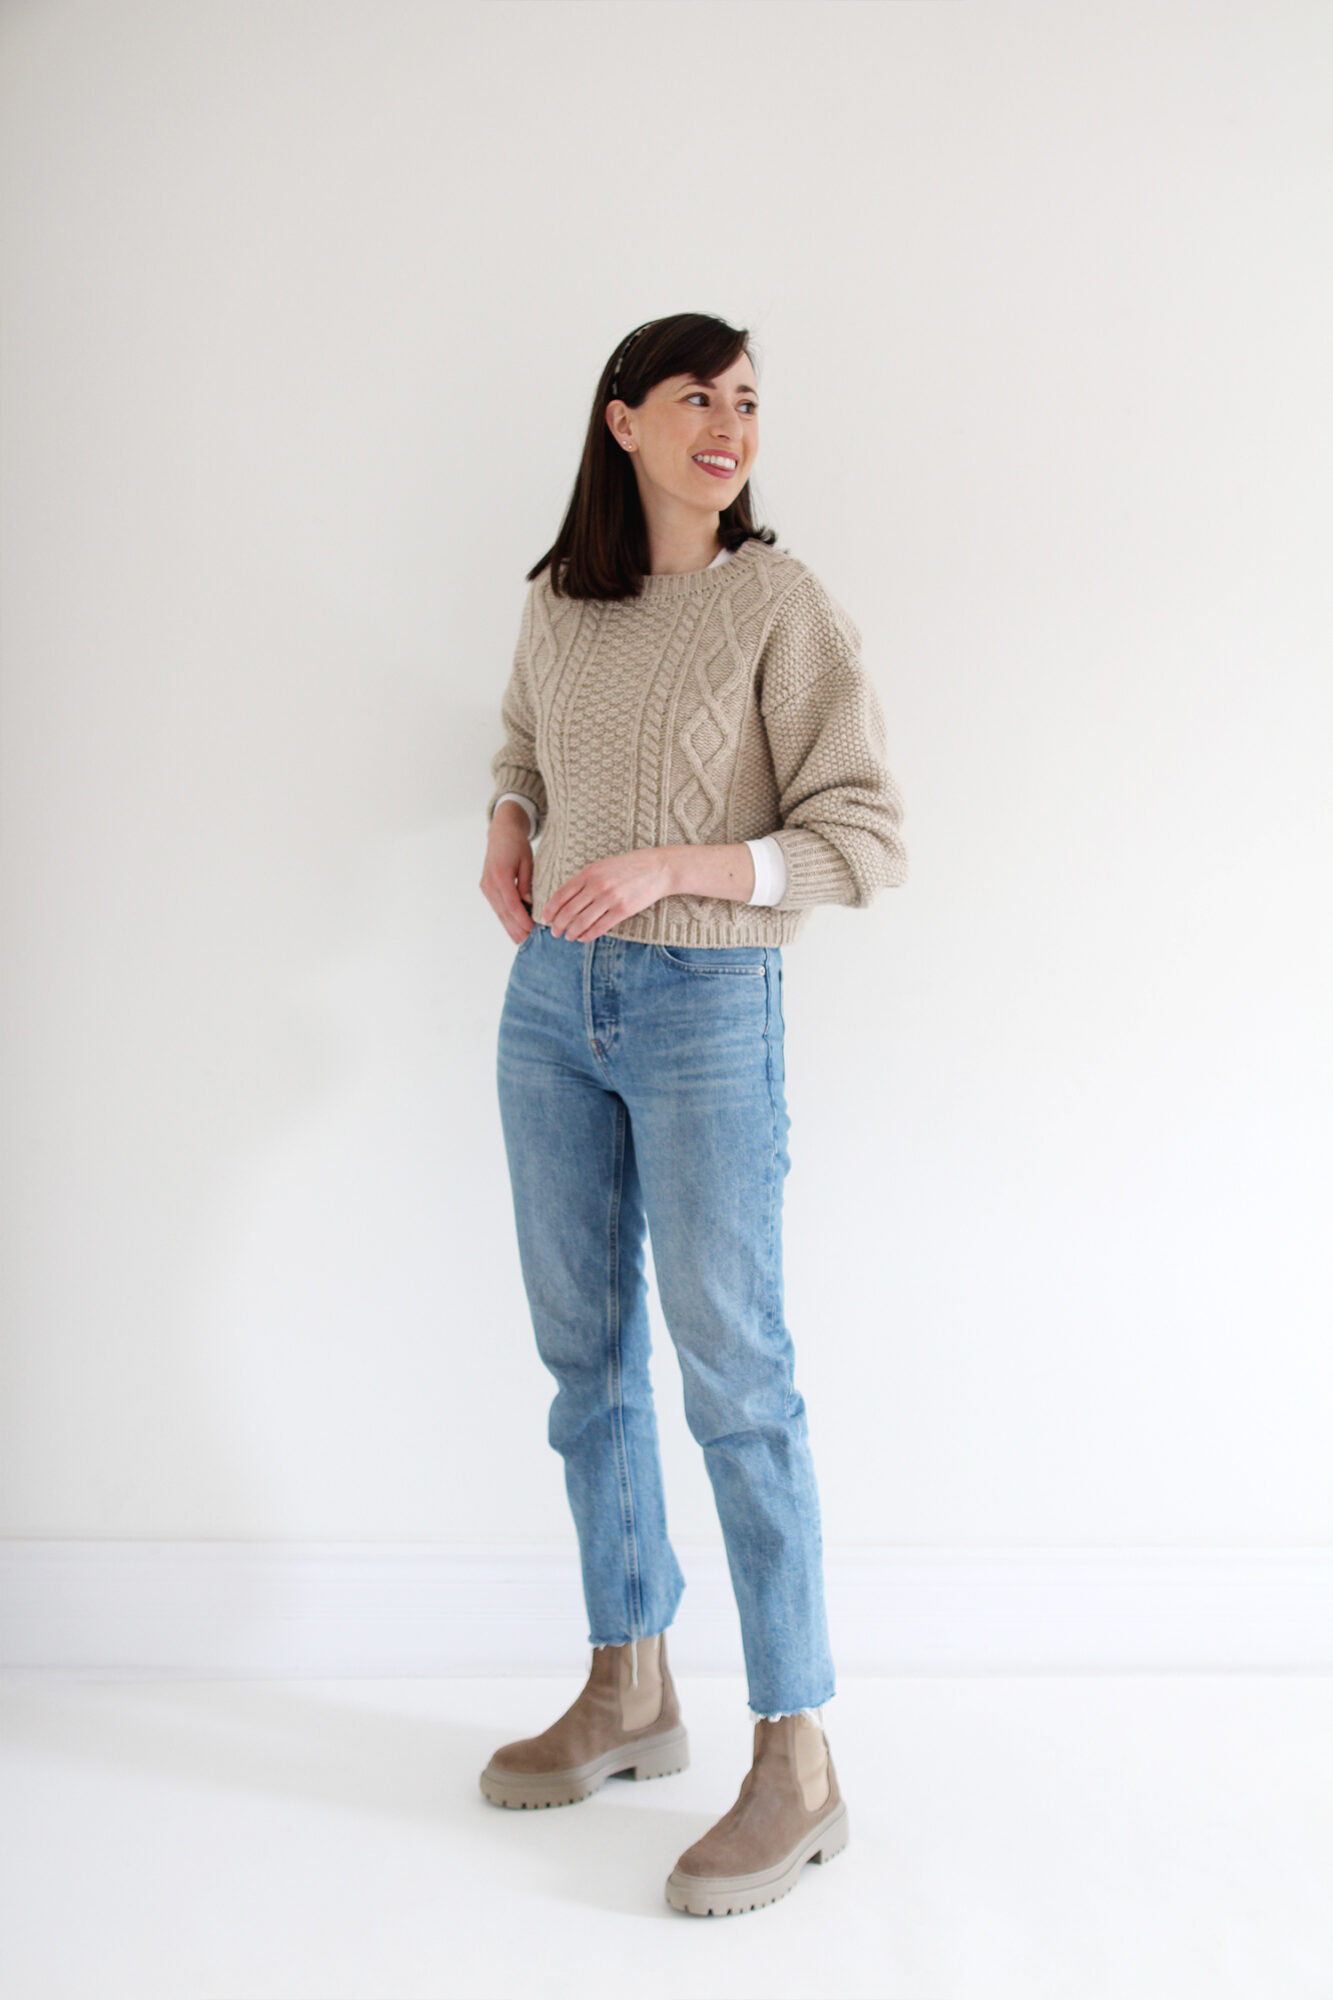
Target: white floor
[1098,1838]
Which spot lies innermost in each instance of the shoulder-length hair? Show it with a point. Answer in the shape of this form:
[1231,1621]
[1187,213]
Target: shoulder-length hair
[601,549]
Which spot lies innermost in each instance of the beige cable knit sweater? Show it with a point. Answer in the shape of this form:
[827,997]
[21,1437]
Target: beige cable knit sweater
[721,705]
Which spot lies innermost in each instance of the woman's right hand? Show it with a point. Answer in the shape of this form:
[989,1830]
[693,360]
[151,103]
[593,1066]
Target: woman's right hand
[506,879]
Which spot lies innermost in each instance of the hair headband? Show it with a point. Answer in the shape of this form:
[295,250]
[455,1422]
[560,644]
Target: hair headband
[615,371]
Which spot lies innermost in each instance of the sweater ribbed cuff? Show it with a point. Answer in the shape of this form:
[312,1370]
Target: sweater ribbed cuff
[529,806]
[816,871]
[514,778]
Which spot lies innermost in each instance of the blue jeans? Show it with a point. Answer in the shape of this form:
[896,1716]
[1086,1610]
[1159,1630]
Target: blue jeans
[641,1085]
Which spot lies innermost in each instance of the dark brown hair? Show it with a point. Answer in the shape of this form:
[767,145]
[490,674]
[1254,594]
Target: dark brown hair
[601,549]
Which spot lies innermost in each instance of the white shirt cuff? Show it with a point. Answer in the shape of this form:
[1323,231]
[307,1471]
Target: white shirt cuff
[770,870]
[528,806]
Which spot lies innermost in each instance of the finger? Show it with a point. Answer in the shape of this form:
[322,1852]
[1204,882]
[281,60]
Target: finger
[591,921]
[504,901]
[559,904]
[573,912]
[504,910]
[560,897]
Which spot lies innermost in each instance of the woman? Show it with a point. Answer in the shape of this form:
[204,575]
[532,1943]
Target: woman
[691,733]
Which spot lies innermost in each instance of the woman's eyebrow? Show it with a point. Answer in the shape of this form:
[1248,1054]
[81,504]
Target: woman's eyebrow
[710,382]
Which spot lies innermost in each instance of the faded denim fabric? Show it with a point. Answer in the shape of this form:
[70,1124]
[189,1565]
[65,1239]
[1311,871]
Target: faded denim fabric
[642,1085]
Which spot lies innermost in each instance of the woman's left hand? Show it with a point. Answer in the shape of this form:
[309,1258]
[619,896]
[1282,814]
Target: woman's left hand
[607,891]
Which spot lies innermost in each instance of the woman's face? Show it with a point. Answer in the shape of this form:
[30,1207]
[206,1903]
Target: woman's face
[682,420]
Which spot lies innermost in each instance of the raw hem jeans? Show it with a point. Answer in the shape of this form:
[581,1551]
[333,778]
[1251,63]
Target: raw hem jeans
[641,1086]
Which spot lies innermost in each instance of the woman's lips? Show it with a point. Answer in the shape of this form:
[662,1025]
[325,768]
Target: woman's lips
[718,471]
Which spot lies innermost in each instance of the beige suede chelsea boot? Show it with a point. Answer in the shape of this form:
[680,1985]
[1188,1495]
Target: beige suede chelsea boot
[626,1718]
[789,1811]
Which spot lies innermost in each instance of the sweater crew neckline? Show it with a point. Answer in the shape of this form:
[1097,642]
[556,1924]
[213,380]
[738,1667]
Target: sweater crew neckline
[697,582]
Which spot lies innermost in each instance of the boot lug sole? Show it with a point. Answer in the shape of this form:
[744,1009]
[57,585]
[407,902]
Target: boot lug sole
[733,1895]
[651,1757]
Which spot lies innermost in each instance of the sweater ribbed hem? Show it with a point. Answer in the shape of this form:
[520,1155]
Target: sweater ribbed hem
[755,924]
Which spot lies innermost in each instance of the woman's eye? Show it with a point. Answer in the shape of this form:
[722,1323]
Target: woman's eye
[699,392]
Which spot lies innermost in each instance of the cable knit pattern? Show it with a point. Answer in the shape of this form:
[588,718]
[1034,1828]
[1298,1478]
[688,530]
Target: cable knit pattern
[722,705]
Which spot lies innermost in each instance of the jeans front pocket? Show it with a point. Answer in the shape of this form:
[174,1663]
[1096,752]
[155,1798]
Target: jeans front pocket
[746,959]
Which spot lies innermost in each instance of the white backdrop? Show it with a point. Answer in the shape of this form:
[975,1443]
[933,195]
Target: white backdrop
[303,307]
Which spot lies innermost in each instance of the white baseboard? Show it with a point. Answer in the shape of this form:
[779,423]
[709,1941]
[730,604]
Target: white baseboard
[242,1610]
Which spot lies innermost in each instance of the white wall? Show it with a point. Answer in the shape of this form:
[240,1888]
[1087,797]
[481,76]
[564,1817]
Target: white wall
[303,306]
